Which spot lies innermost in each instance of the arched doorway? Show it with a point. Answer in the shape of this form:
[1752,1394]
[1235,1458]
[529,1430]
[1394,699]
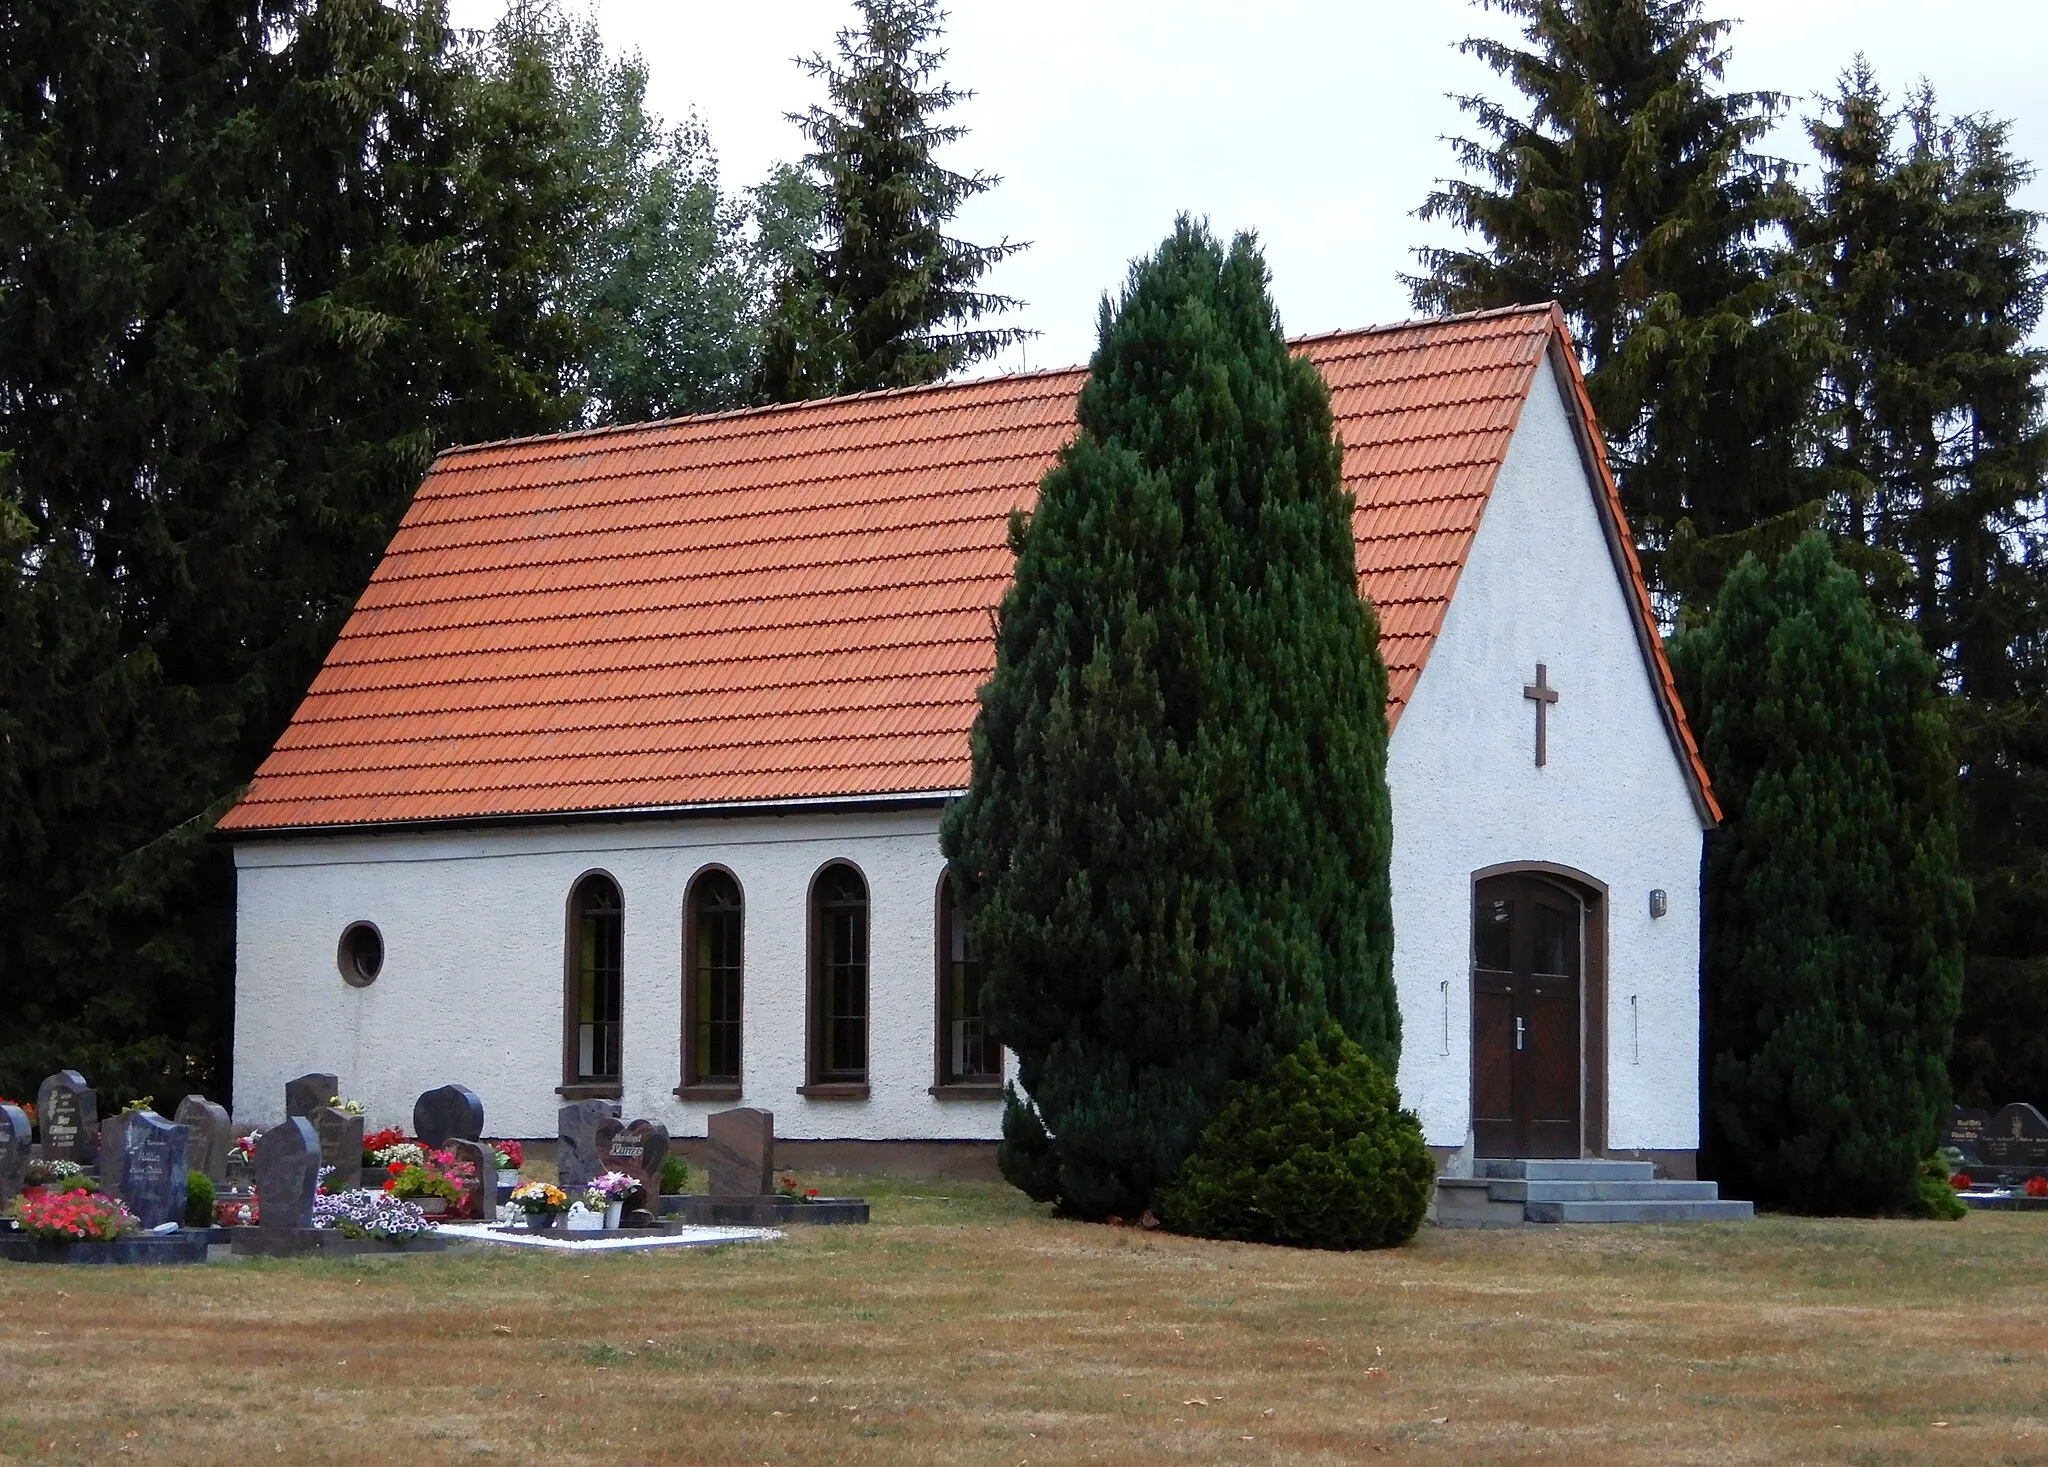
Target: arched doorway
[1537,956]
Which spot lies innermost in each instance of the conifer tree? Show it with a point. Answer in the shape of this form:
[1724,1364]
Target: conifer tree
[1833,900]
[887,298]
[1630,192]
[1174,850]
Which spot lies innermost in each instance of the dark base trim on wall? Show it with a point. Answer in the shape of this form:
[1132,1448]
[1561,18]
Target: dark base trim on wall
[591,1090]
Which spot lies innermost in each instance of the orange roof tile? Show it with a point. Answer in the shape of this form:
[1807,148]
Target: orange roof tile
[792,603]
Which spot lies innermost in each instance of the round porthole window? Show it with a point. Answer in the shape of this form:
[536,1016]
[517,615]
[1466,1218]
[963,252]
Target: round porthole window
[362,954]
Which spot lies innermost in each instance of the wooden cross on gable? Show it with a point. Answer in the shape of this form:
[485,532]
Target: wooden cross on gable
[1543,695]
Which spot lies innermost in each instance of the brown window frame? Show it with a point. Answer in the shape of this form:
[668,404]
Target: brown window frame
[695,1084]
[946,1082]
[577,1085]
[844,1082]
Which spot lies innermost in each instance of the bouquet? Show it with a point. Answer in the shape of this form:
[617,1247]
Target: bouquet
[435,1174]
[397,1153]
[541,1198]
[245,1146]
[362,1213]
[510,1156]
[234,1214]
[608,1187]
[72,1217]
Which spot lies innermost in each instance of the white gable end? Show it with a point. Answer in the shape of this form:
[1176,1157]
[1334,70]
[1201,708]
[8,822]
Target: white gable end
[1613,802]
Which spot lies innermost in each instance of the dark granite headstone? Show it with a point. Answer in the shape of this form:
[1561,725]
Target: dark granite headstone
[112,1143]
[1965,1131]
[741,1152]
[2016,1137]
[440,1115]
[69,1114]
[341,1146]
[637,1150]
[308,1093]
[209,1136]
[482,1198]
[16,1136]
[576,1141]
[287,1171]
[153,1169]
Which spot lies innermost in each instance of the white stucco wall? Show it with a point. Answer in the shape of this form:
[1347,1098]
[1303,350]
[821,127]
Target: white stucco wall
[1540,585]
[471,988]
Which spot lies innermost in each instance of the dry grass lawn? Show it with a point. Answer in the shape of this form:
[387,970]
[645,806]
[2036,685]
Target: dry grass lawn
[963,1327]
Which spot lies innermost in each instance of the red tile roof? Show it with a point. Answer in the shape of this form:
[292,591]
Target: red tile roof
[793,603]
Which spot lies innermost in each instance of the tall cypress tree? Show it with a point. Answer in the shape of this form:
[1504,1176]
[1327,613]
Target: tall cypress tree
[1174,851]
[1630,192]
[887,298]
[1833,899]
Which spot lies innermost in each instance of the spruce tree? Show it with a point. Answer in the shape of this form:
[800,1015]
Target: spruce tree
[887,298]
[1630,191]
[1174,850]
[1833,900]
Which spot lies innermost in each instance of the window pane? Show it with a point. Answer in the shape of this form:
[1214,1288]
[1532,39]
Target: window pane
[1492,935]
[970,1052]
[599,946]
[841,1001]
[1553,941]
[715,980]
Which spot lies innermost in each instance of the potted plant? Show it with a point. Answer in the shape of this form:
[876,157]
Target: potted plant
[432,1187]
[608,1193]
[542,1203]
[366,1214]
[67,1219]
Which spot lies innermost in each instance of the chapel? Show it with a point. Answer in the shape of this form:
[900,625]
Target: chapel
[623,779]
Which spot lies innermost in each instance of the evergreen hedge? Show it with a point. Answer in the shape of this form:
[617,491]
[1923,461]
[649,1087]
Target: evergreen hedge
[1316,1153]
[1173,855]
[1833,902]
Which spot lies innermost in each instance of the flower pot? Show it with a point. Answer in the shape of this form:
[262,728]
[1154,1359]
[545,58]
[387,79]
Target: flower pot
[431,1206]
[611,1213]
[541,1222]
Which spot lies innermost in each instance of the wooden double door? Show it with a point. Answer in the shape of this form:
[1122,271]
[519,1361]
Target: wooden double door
[1528,975]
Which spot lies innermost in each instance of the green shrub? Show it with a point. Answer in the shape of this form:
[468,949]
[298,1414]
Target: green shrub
[198,1200]
[1316,1153]
[1934,1196]
[675,1175]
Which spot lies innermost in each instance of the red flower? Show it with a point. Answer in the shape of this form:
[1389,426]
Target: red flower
[1960,1181]
[2036,1187]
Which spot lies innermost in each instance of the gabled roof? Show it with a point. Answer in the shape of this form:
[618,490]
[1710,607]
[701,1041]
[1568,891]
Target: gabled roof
[793,604]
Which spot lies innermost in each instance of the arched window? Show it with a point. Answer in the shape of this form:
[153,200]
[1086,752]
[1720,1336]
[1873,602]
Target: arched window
[712,963]
[839,977]
[597,930]
[968,1053]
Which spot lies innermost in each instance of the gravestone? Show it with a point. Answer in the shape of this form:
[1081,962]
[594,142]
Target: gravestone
[482,1198]
[741,1152]
[152,1169]
[16,1136]
[576,1141]
[209,1136]
[69,1114]
[308,1093]
[443,1114]
[287,1171]
[637,1150]
[341,1146]
[2016,1139]
[113,1143]
[1965,1132]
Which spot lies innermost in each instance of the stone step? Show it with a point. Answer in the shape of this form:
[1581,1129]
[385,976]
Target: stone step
[1637,1212]
[1564,1169]
[1509,1190]
[1463,1202]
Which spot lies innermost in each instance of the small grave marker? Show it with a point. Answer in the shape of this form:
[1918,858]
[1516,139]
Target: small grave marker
[482,1198]
[308,1093]
[450,1111]
[209,1136]
[576,1141]
[152,1166]
[70,1116]
[287,1171]
[741,1159]
[16,1135]
[341,1146]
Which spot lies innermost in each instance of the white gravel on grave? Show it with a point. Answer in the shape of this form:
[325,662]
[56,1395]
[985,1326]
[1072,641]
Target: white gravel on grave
[568,1243]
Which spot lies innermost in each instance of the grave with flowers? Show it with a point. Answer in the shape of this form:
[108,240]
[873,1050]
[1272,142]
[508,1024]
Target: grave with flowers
[1999,1162]
[57,1210]
[746,1189]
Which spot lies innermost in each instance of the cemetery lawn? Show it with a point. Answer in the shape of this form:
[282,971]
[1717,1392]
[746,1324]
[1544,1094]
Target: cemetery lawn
[963,1326]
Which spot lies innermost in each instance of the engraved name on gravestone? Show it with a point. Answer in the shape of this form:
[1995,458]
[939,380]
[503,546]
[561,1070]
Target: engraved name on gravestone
[1965,1131]
[287,1171]
[576,1141]
[16,1136]
[153,1169]
[209,1135]
[741,1152]
[481,1198]
[442,1114]
[308,1093]
[637,1150]
[2016,1137]
[341,1146]
[69,1114]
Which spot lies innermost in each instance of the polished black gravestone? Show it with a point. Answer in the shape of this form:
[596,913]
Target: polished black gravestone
[576,1141]
[481,1201]
[209,1136]
[341,1146]
[740,1152]
[153,1169]
[308,1093]
[16,1136]
[287,1173]
[69,1114]
[450,1111]
[2016,1139]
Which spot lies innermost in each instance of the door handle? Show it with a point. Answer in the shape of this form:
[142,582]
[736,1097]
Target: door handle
[1520,1031]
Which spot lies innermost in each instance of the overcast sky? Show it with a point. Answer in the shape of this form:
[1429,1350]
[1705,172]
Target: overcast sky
[1316,123]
